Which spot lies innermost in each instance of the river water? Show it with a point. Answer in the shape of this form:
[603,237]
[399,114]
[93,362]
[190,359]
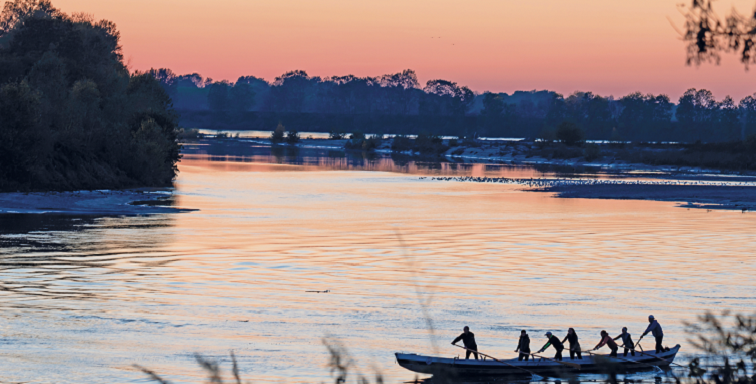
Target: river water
[85,298]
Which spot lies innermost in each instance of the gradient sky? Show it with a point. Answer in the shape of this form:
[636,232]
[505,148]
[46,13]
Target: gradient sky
[610,47]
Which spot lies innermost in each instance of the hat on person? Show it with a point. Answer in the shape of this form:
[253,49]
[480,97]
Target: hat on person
[548,333]
[650,317]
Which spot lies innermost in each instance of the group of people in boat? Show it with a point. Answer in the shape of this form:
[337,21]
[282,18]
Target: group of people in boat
[523,347]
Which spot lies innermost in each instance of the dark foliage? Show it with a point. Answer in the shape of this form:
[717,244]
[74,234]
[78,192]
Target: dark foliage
[424,143]
[728,343]
[71,114]
[292,137]
[708,35]
[278,134]
[570,134]
[346,104]
[358,141]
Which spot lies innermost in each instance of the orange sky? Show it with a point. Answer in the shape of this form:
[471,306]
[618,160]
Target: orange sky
[610,47]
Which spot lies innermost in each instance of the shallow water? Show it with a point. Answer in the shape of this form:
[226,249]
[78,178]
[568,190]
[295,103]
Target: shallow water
[85,298]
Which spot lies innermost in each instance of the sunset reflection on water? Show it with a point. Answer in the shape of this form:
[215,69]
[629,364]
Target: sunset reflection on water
[88,298]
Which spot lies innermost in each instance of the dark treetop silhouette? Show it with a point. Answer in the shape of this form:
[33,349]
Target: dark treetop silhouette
[396,104]
[72,116]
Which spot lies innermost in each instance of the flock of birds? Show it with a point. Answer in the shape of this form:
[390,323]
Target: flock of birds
[547,183]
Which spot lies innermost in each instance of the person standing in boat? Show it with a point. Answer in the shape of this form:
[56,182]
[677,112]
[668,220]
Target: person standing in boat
[554,341]
[608,341]
[656,330]
[468,339]
[523,346]
[572,337]
[627,342]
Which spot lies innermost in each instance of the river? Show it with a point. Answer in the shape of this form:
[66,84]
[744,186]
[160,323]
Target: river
[86,298]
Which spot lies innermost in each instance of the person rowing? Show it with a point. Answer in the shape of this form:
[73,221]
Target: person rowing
[523,346]
[656,330]
[553,341]
[608,341]
[574,344]
[627,342]
[468,339]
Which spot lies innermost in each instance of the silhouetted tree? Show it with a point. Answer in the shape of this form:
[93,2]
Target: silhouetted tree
[708,35]
[71,114]
[278,134]
[570,134]
[748,106]
[492,115]
[218,96]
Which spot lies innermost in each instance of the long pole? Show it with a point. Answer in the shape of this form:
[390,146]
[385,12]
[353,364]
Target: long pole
[499,361]
[620,358]
[571,365]
[648,354]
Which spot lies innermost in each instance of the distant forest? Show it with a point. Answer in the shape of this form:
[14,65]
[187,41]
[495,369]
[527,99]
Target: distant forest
[397,104]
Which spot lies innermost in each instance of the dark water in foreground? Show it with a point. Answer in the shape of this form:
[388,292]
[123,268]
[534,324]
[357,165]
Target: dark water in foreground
[84,298]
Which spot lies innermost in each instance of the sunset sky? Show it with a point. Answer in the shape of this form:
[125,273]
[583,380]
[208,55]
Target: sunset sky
[606,46]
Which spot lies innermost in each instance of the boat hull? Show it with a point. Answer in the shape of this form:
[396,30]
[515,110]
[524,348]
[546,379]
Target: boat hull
[546,367]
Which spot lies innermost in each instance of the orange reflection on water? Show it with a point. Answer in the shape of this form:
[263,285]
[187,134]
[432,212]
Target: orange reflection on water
[234,274]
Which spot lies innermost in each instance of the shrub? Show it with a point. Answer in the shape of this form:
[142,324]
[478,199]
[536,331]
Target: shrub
[401,143]
[591,151]
[336,135]
[278,134]
[359,141]
[570,134]
[292,137]
[189,134]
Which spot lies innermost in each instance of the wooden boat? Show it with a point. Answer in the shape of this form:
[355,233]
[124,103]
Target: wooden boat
[456,367]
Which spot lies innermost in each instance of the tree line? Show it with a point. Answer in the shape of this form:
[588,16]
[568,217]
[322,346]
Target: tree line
[397,103]
[72,116]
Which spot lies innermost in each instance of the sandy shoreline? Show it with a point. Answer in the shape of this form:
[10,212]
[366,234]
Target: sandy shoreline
[102,203]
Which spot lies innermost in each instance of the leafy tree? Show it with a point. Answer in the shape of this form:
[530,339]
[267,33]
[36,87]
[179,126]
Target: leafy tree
[696,112]
[292,137]
[278,134]
[218,96]
[728,121]
[168,80]
[748,106]
[492,114]
[570,134]
[71,114]
[446,98]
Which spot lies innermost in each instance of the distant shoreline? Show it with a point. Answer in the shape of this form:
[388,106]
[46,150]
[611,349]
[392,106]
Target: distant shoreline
[690,196]
[129,202]
[528,153]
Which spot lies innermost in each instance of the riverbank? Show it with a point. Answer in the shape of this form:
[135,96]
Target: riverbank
[128,202]
[738,198]
[604,157]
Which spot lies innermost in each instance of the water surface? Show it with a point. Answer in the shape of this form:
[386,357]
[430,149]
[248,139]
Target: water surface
[85,298]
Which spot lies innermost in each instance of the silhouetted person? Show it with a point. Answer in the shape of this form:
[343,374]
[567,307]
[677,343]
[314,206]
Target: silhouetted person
[655,328]
[523,346]
[627,341]
[554,341]
[608,341]
[468,339]
[572,337]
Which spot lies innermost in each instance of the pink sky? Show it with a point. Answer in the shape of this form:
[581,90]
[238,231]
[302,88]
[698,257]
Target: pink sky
[606,46]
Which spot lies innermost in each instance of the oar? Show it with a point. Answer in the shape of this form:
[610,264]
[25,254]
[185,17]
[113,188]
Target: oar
[648,354]
[571,365]
[623,359]
[499,361]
